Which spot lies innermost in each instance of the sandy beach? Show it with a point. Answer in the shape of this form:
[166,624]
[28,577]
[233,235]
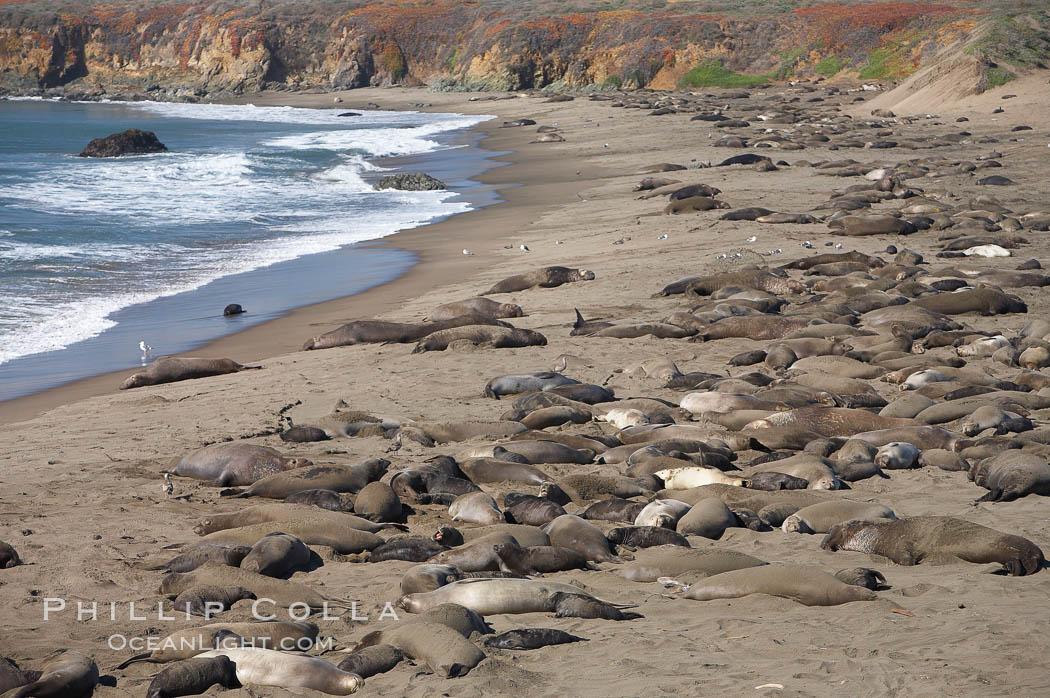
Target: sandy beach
[82,502]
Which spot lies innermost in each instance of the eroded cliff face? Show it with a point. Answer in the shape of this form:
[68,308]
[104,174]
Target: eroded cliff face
[214,47]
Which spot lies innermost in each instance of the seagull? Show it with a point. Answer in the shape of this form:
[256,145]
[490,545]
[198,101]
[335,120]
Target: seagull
[559,242]
[524,248]
[753,238]
[662,237]
[838,245]
[168,487]
[467,252]
[146,349]
[606,145]
[807,244]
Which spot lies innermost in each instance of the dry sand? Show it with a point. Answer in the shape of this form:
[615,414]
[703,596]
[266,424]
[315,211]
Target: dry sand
[80,490]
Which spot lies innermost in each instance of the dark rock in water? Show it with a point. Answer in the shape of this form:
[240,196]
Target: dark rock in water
[233,309]
[349,113]
[130,142]
[410,181]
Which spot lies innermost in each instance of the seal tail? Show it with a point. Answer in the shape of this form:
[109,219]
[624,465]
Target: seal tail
[132,660]
[249,368]
[395,526]
[580,322]
[238,492]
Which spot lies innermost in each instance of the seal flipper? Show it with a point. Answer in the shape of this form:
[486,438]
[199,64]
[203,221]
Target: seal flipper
[144,657]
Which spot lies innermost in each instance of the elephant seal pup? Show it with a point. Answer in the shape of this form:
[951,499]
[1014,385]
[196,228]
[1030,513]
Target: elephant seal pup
[806,585]
[689,477]
[1011,475]
[193,676]
[490,596]
[170,370]
[495,337]
[539,559]
[304,434]
[663,513]
[66,673]
[263,667]
[819,518]
[530,639]
[235,464]
[613,509]
[378,502]
[337,478]
[529,510]
[369,661]
[577,534]
[474,306]
[443,649]
[936,540]
[861,577]
[646,537]
[897,455]
[475,507]
[277,555]
[708,518]
[409,549]
[545,277]
[670,561]
[8,556]
[772,481]
[525,383]
[323,499]
[945,460]
[570,605]
[208,600]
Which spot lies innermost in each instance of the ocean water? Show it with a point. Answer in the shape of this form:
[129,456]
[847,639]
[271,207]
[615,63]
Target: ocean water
[269,207]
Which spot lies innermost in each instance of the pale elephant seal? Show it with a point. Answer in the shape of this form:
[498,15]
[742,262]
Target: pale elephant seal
[663,513]
[189,642]
[546,277]
[805,585]
[689,477]
[193,676]
[8,556]
[277,555]
[495,337]
[263,667]
[478,556]
[65,674]
[474,306]
[444,650]
[235,464]
[819,518]
[897,455]
[369,661]
[530,639]
[936,540]
[708,518]
[170,370]
[861,577]
[577,534]
[1011,475]
[476,507]
[337,478]
[208,600]
[491,596]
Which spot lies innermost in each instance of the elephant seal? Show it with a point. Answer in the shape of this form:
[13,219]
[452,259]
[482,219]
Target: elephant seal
[1011,475]
[263,667]
[369,661]
[378,331]
[613,509]
[192,676]
[235,464]
[304,434]
[344,537]
[322,499]
[263,513]
[491,596]
[663,513]
[773,481]
[576,605]
[208,600]
[689,477]
[496,337]
[539,559]
[11,676]
[474,306]
[646,536]
[444,650]
[819,518]
[66,673]
[337,478]
[830,421]
[478,556]
[897,455]
[8,556]
[708,518]
[476,507]
[533,451]
[277,555]
[577,534]
[670,561]
[861,577]
[530,639]
[545,277]
[409,549]
[488,470]
[985,301]
[378,502]
[805,585]
[233,309]
[170,370]
[529,510]
[283,593]
[936,540]
[528,382]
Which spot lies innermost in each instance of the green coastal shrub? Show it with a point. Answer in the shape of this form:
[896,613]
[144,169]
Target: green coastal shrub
[830,66]
[712,73]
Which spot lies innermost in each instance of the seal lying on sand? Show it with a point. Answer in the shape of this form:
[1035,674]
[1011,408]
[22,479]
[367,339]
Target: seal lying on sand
[806,585]
[474,306]
[377,331]
[496,337]
[235,464]
[263,667]
[170,370]
[1011,475]
[936,540]
[545,277]
[67,673]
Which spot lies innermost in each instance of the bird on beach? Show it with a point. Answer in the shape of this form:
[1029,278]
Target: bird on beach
[145,349]
[662,237]
[168,486]
[524,248]
[467,252]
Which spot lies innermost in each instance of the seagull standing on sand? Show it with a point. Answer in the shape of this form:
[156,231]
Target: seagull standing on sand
[467,252]
[168,487]
[524,248]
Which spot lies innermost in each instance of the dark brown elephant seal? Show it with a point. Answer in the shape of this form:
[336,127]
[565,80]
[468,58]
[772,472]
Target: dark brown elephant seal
[170,370]
[277,555]
[613,509]
[805,585]
[235,464]
[379,331]
[985,301]
[337,478]
[8,556]
[322,499]
[378,502]
[530,639]
[304,434]
[539,559]
[408,549]
[11,676]
[530,510]
[65,674]
[196,556]
[192,676]
[545,277]
[369,661]
[1011,475]
[496,337]
[208,600]
[645,536]
[936,540]
[485,307]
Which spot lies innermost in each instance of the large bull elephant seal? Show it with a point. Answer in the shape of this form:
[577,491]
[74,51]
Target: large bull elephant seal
[806,585]
[235,464]
[546,277]
[936,540]
[170,370]
[66,673]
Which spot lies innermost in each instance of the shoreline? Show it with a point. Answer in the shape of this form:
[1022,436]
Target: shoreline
[514,178]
